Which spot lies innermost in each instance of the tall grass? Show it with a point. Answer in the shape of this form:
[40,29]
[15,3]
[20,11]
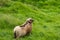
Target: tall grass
[46,15]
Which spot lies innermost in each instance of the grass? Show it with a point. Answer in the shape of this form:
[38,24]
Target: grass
[46,25]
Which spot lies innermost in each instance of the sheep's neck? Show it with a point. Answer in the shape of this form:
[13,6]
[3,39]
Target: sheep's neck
[26,23]
[23,25]
[28,26]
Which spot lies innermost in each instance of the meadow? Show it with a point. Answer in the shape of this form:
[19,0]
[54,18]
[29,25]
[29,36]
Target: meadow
[46,15]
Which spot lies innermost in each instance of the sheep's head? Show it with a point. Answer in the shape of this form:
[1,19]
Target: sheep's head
[29,20]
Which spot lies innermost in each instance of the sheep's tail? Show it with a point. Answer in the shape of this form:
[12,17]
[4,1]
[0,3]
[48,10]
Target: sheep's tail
[15,36]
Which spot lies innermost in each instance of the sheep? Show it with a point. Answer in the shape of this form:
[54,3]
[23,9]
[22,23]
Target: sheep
[24,29]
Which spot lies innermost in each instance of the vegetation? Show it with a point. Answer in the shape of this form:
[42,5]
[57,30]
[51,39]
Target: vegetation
[46,15]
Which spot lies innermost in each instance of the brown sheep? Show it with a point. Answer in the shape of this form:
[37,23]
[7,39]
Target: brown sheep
[23,29]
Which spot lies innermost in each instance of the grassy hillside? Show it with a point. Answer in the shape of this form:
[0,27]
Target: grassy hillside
[46,15]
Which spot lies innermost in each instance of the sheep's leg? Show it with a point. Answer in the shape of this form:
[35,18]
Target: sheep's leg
[15,35]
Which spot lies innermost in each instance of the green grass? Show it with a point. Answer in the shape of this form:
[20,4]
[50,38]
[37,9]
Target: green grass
[46,25]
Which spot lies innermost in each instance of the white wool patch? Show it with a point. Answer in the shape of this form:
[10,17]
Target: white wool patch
[19,31]
[17,28]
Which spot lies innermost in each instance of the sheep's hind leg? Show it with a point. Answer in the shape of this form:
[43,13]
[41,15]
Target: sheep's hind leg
[15,35]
